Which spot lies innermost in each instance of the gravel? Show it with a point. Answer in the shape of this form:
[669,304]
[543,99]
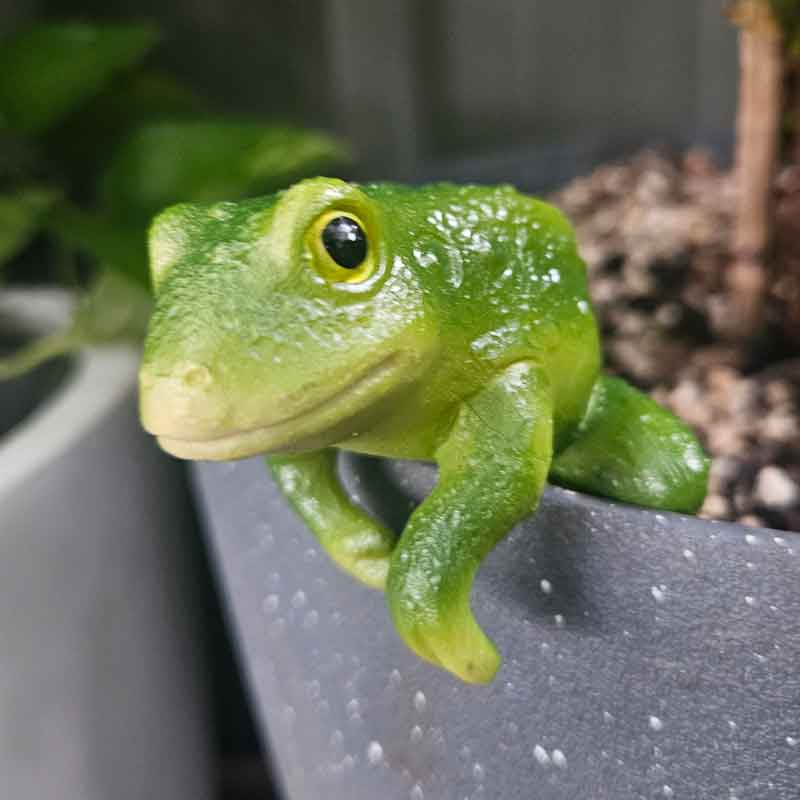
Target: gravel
[654,231]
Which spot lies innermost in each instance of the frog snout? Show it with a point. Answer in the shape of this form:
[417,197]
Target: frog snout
[182,404]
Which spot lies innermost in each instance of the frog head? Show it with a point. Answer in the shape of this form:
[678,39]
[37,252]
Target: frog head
[281,324]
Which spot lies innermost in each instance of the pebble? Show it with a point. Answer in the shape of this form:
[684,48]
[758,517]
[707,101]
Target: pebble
[775,488]
[716,506]
[654,231]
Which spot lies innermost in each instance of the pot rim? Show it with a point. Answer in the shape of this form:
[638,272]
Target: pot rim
[98,379]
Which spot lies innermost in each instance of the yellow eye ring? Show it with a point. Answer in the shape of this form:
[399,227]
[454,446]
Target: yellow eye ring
[340,247]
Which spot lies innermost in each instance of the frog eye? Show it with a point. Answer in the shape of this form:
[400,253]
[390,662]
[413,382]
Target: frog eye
[340,247]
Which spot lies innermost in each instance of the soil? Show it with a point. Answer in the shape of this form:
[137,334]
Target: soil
[654,231]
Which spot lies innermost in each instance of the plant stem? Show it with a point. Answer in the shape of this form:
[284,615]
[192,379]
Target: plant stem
[757,127]
[37,352]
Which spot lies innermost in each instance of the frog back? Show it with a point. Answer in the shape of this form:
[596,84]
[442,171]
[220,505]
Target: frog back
[501,273]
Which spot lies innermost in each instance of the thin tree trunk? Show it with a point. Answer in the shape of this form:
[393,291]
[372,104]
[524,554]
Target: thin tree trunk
[757,129]
[788,212]
[793,106]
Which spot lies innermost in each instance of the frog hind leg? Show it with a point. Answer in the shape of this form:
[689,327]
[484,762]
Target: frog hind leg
[631,449]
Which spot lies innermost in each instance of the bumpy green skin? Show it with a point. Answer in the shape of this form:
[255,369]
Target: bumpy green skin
[472,344]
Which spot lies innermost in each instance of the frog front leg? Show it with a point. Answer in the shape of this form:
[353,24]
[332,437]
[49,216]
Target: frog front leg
[355,541]
[492,468]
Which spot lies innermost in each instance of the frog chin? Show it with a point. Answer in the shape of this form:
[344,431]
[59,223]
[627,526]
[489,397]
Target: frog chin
[321,423]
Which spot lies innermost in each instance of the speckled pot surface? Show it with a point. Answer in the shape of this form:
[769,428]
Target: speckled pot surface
[645,655]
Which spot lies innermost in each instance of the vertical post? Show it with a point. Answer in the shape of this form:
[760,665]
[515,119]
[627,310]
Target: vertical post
[372,82]
[757,125]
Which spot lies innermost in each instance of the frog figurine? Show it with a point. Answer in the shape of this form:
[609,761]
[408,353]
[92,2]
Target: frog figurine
[443,322]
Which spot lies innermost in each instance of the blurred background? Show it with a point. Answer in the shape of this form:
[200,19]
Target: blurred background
[410,83]
[535,92]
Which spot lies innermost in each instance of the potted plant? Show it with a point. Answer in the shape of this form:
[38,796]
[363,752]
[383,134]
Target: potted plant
[645,654]
[103,669]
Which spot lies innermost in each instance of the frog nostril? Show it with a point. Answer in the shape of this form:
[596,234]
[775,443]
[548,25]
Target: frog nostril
[194,375]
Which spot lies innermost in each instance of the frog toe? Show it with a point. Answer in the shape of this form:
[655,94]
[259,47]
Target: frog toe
[453,641]
[372,572]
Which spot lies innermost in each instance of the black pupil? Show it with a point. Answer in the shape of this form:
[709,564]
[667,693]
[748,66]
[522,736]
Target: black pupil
[345,242]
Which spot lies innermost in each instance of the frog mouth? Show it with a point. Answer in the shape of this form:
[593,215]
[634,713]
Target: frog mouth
[320,424]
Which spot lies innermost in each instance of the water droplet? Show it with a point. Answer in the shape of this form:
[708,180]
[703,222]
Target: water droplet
[416,793]
[395,678]
[559,620]
[658,594]
[608,717]
[416,734]
[689,554]
[750,600]
[420,703]
[655,723]
[271,603]
[348,762]
[541,755]
[750,538]
[559,759]
[374,753]
[353,709]
[666,790]
[732,725]
[299,599]
[478,772]
[791,741]
[546,586]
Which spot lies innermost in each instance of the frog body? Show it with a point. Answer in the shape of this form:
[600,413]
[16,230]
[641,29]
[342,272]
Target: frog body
[445,323]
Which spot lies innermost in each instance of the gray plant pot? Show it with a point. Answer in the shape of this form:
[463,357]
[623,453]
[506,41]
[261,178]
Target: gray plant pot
[102,686]
[645,654]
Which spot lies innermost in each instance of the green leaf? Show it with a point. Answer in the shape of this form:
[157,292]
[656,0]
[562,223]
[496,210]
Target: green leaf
[89,136]
[48,70]
[206,160]
[112,310]
[116,245]
[20,216]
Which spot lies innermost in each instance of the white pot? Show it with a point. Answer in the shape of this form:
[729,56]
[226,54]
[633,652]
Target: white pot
[102,691]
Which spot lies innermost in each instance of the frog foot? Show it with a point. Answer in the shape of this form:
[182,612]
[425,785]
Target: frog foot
[365,554]
[444,634]
[370,570]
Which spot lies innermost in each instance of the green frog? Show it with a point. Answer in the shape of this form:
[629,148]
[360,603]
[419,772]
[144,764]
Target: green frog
[443,322]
